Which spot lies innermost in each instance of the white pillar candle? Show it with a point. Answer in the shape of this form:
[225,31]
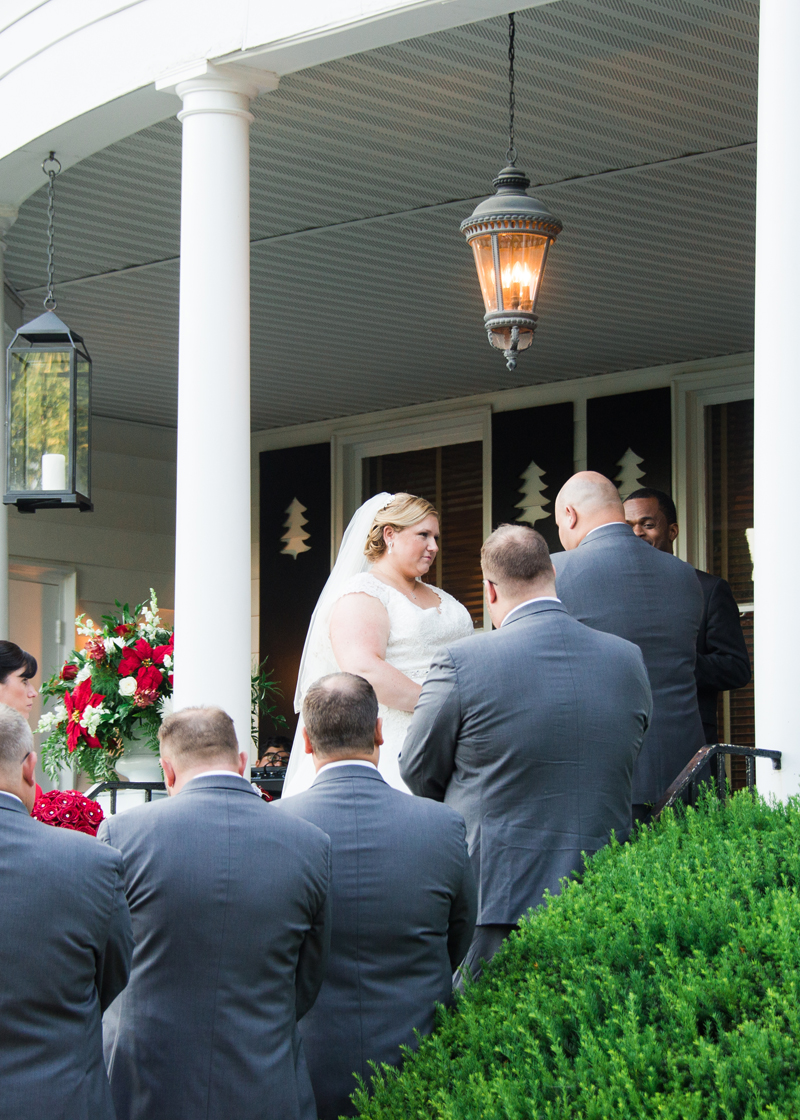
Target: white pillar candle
[54,472]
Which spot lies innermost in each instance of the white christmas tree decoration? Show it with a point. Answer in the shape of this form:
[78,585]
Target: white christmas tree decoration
[628,478]
[295,535]
[532,490]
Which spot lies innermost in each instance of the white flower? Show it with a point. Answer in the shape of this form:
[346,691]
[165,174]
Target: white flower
[92,718]
[110,644]
[51,720]
[83,673]
[127,686]
[164,706]
[167,661]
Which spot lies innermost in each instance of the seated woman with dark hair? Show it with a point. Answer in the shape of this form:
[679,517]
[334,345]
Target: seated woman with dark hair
[17,669]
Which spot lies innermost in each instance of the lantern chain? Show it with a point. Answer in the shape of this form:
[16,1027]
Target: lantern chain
[511,153]
[50,301]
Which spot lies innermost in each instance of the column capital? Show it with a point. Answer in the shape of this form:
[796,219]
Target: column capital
[218,88]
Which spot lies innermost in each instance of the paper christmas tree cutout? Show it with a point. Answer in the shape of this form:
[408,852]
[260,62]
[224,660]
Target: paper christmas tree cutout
[628,478]
[295,535]
[532,490]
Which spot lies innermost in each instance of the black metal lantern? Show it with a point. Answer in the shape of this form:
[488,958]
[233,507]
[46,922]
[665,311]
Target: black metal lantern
[48,408]
[510,235]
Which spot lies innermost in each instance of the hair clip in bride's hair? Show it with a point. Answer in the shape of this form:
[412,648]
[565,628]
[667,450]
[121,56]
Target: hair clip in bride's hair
[391,499]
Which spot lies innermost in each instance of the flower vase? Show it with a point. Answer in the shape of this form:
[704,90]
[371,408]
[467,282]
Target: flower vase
[139,763]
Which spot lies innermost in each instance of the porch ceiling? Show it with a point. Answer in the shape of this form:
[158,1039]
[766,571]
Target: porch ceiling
[364,294]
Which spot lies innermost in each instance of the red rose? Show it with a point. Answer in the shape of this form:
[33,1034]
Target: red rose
[69,672]
[68,809]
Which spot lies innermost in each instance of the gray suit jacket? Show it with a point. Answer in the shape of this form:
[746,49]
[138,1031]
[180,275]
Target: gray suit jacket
[615,582]
[65,953]
[403,915]
[531,732]
[231,921]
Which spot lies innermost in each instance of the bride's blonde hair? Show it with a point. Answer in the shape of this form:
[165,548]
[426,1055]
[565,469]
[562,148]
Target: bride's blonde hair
[402,511]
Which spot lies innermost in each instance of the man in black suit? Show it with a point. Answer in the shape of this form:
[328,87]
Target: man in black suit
[65,950]
[402,893]
[723,662]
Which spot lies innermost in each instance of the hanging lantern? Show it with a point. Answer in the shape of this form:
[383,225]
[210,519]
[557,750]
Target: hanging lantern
[48,406]
[510,235]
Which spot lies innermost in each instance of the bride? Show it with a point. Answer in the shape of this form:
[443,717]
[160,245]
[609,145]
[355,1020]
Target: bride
[375,617]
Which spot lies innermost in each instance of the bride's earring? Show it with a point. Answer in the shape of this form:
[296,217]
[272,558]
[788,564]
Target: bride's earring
[391,545]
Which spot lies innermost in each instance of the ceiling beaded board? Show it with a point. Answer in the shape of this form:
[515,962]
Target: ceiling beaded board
[364,294]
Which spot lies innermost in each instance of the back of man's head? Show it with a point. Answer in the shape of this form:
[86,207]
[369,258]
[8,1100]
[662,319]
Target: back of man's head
[516,558]
[584,502]
[16,741]
[340,712]
[199,737]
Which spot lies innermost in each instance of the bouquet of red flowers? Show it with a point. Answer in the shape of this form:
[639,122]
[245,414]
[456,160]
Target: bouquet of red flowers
[113,691]
[68,809]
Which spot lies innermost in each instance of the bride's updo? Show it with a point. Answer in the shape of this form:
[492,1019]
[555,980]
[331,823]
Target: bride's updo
[401,512]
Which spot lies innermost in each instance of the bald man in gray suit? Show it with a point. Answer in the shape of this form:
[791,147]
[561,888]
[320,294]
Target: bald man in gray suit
[611,580]
[402,894]
[531,733]
[229,903]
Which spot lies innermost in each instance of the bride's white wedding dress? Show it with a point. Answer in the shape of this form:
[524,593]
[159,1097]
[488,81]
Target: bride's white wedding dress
[414,636]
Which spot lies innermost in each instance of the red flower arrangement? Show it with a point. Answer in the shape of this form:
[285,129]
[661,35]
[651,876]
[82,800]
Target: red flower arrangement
[68,809]
[76,703]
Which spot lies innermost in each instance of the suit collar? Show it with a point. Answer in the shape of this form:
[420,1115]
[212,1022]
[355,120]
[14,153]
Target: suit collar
[9,801]
[218,781]
[614,529]
[327,774]
[526,610]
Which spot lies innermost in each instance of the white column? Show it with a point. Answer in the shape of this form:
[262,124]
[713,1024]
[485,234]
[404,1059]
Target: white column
[777,397]
[8,215]
[212,553]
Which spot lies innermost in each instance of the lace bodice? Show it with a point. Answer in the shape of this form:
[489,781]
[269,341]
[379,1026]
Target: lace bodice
[414,634]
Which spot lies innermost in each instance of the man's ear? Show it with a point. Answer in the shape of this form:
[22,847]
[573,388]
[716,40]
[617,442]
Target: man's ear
[29,770]
[307,743]
[378,732]
[244,762]
[672,531]
[571,515]
[169,773]
[491,592]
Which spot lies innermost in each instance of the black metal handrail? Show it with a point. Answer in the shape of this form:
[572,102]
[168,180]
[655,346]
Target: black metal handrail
[112,787]
[688,776]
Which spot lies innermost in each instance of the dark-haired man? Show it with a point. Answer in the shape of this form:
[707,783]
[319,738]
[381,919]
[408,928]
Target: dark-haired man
[722,659]
[531,732]
[231,919]
[402,892]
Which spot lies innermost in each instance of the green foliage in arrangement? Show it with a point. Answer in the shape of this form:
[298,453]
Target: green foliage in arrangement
[664,984]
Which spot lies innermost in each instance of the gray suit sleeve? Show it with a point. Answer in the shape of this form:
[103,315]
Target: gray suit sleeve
[463,912]
[114,963]
[427,760]
[312,959]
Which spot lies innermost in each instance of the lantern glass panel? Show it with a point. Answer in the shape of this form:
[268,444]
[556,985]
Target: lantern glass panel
[484,263]
[39,419]
[83,374]
[521,260]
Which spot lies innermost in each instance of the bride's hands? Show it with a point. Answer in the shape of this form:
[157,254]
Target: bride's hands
[359,634]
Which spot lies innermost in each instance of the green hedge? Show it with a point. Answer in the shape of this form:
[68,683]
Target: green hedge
[665,984]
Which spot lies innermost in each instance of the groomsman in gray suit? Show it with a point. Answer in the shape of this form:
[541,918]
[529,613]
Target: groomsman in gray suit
[402,892]
[230,915]
[531,732]
[615,582]
[65,950]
